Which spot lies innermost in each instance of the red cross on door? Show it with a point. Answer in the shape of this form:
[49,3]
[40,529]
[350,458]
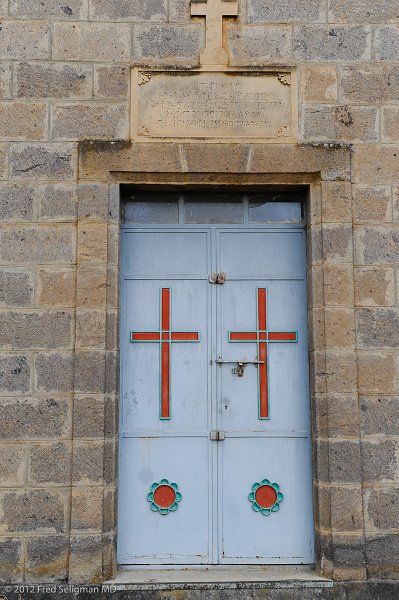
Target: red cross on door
[263,337]
[164,337]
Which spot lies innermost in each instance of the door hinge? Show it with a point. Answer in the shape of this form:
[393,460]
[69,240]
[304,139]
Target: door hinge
[217,278]
[217,435]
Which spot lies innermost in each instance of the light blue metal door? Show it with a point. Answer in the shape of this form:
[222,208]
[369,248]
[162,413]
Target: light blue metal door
[214,432]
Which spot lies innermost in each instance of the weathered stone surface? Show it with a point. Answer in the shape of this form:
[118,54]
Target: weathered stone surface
[370,83]
[349,556]
[47,559]
[179,10]
[379,415]
[92,242]
[38,161]
[93,201]
[387,43]
[366,11]
[129,10]
[58,9]
[381,558]
[17,203]
[5,81]
[338,284]
[337,243]
[376,372]
[14,374]
[12,465]
[110,462]
[54,372]
[342,416]
[20,121]
[108,510]
[24,40]
[111,82]
[96,42]
[16,287]
[345,464]
[251,45]
[88,462]
[38,244]
[339,327]
[377,328]
[50,463]
[336,202]
[58,203]
[340,123]
[85,561]
[52,80]
[374,286]
[284,10]
[90,329]
[376,245]
[346,509]
[88,417]
[87,509]
[341,371]
[3,161]
[35,510]
[379,461]
[319,43]
[36,330]
[383,508]
[396,203]
[89,121]
[89,372]
[24,419]
[371,203]
[91,286]
[57,286]
[390,124]
[167,43]
[318,84]
[11,560]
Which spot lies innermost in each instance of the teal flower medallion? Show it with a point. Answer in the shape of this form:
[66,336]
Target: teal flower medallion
[164,497]
[266,497]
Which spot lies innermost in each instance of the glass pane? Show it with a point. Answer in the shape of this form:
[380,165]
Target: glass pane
[223,209]
[275,212]
[151,212]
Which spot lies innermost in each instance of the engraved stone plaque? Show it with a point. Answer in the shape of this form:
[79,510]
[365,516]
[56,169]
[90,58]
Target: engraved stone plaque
[256,106]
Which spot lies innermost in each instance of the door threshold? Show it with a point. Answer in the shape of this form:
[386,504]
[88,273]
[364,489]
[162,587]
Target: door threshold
[219,577]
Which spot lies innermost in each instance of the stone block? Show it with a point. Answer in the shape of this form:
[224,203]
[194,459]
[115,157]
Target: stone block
[94,42]
[337,243]
[338,284]
[332,43]
[129,10]
[344,462]
[382,552]
[91,286]
[222,158]
[318,371]
[88,417]
[314,243]
[167,44]
[47,559]
[11,560]
[113,241]
[379,415]
[179,10]
[16,287]
[23,121]
[371,203]
[253,45]
[285,11]
[17,203]
[346,509]
[33,419]
[5,81]
[38,244]
[336,202]
[112,287]
[90,121]
[340,124]
[88,463]
[376,245]
[89,372]
[43,161]
[110,417]
[318,84]
[377,328]
[24,40]
[109,510]
[14,375]
[87,509]
[4,149]
[376,373]
[349,556]
[317,338]
[57,287]
[50,464]
[382,508]
[343,416]
[110,462]
[111,373]
[38,510]
[396,203]
[341,372]
[51,9]
[339,327]
[92,242]
[85,561]
[386,43]
[58,203]
[112,331]
[36,330]
[379,460]
[12,465]
[54,372]
[315,287]
[390,124]
[367,11]
[374,286]
[90,329]
[93,202]
[52,80]
[370,83]
[111,81]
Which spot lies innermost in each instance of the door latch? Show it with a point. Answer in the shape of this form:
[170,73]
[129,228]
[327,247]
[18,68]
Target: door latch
[217,435]
[241,364]
[217,278]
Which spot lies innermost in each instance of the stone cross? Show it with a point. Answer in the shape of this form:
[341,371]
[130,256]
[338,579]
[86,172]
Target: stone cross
[214,10]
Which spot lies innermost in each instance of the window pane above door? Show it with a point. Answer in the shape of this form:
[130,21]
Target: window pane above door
[214,212]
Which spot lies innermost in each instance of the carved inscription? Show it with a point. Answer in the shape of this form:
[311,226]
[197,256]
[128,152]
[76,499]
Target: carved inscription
[214,105]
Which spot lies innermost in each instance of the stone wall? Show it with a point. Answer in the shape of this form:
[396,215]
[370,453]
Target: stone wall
[64,79]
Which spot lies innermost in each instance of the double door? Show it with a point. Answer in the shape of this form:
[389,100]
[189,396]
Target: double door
[215,461]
